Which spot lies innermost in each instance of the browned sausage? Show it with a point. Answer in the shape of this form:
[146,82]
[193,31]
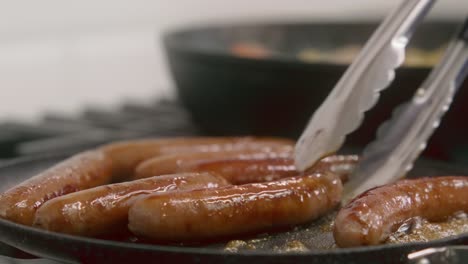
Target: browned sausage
[110,163]
[177,162]
[371,217]
[104,209]
[242,171]
[214,213]
[343,165]
[126,155]
[80,172]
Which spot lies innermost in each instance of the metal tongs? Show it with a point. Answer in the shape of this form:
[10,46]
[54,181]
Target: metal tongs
[401,139]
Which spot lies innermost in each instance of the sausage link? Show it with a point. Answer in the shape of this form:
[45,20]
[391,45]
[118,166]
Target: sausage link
[213,213]
[126,155]
[104,210]
[243,171]
[343,165]
[241,167]
[110,163]
[177,162]
[83,171]
[371,217]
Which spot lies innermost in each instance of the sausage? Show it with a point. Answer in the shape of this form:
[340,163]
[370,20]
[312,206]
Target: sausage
[371,217]
[104,210]
[343,165]
[83,171]
[204,214]
[127,155]
[242,171]
[177,162]
[110,163]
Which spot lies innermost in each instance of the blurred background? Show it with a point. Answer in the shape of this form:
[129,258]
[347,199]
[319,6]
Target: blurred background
[74,74]
[60,55]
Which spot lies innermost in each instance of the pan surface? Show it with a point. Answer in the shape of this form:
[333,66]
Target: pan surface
[90,250]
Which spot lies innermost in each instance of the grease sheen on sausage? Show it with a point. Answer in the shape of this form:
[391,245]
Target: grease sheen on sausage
[82,171]
[110,163]
[104,209]
[242,171]
[213,213]
[126,155]
[178,162]
[371,217]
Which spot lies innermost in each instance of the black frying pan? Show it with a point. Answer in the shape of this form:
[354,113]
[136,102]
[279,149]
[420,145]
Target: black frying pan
[78,249]
[229,94]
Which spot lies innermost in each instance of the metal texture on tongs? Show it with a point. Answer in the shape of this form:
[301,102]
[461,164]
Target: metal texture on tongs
[401,139]
[441,255]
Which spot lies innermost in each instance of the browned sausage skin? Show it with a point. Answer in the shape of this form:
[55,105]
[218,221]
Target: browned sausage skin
[242,167]
[371,217]
[343,165]
[184,162]
[104,209]
[83,171]
[214,213]
[110,163]
[179,162]
[127,155]
[242,171]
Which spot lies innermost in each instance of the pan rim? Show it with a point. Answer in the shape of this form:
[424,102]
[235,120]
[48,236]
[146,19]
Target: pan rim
[172,43]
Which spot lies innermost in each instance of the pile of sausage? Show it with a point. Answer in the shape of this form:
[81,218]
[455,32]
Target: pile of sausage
[193,189]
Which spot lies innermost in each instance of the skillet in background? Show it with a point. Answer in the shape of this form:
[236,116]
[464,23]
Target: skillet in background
[276,93]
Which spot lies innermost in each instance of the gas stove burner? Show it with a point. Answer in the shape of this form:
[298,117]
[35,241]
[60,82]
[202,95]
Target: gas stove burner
[56,133]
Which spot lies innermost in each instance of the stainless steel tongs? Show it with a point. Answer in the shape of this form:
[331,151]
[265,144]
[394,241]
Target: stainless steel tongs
[401,139]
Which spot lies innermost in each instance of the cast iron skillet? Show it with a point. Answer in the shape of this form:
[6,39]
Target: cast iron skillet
[276,95]
[89,250]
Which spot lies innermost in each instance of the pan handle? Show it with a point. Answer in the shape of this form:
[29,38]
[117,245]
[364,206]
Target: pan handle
[448,254]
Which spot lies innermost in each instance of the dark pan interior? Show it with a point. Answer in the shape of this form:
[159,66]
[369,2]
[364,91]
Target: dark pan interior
[78,249]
